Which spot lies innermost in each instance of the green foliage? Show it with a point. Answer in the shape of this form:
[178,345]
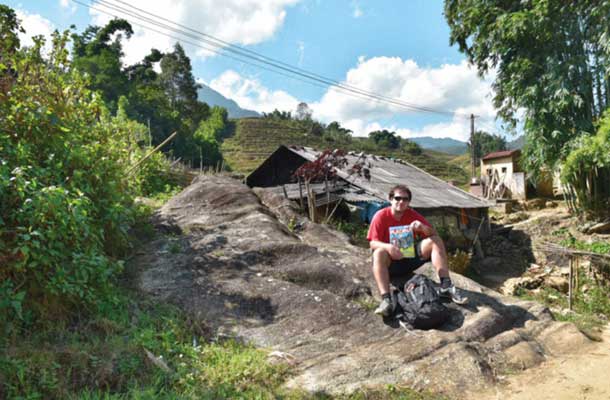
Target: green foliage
[208,134]
[550,59]
[385,139]
[485,143]
[278,115]
[106,355]
[591,305]
[586,172]
[334,132]
[410,147]
[598,247]
[98,57]
[357,231]
[165,101]
[65,199]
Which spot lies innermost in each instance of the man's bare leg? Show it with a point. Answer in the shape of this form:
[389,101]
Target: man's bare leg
[381,265]
[433,248]
[381,272]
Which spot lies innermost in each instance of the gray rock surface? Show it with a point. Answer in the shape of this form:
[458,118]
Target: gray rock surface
[233,264]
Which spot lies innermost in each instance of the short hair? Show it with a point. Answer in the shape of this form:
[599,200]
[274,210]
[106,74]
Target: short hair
[402,188]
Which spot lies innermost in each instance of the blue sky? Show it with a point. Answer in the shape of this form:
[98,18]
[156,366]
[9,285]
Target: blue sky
[398,49]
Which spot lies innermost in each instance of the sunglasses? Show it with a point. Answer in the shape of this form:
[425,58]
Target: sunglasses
[399,199]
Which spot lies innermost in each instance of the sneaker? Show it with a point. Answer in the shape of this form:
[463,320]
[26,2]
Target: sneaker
[454,294]
[385,308]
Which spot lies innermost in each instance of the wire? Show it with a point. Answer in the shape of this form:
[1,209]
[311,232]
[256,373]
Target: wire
[220,52]
[271,60]
[221,47]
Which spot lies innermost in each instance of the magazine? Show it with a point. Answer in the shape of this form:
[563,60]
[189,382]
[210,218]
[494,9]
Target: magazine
[402,237]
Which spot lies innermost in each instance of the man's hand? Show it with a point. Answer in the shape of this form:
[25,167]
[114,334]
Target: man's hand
[417,226]
[394,252]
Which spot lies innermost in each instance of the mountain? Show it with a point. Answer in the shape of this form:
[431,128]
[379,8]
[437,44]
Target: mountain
[517,143]
[445,145]
[213,98]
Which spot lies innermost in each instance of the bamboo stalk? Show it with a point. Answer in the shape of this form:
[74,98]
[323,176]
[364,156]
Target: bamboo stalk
[333,211]
[170,137]
[576,267]
[570,288]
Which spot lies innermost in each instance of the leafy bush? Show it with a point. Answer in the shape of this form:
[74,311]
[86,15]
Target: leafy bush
[586,172]
[65,197]
[357,231]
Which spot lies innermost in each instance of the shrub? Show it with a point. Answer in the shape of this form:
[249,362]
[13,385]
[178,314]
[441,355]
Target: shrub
[65,197]
[586,172]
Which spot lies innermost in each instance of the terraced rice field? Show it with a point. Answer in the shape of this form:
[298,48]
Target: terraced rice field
[255,139]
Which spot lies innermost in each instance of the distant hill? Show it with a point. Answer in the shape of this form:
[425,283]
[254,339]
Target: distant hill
[213,98]
[254,139]
[445,145]
[517,143]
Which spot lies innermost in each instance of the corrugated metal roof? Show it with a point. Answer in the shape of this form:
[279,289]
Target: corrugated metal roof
[428,190]
[500,154]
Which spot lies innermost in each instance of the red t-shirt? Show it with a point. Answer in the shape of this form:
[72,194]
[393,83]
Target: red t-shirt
[383,221]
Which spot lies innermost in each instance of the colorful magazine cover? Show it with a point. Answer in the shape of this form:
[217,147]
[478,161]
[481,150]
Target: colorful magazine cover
[402,237]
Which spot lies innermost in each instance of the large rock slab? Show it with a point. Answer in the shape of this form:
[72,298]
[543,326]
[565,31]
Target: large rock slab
[234,265]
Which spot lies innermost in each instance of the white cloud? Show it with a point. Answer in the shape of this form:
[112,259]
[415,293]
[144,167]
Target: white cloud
[68,5]
[356,10]
[34,25]
[241,22]
[251,94]
[451,87]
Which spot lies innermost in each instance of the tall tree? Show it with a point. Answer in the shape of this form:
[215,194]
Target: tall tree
[177,78]
[551,59]
[485,143]
[303,112]
[385,138]
[95,54]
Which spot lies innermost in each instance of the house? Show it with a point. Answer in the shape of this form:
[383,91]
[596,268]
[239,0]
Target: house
[502,176]
[445,206]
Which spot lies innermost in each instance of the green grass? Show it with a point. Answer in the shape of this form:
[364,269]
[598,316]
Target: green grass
[104,357]
[357,231]
[591,307]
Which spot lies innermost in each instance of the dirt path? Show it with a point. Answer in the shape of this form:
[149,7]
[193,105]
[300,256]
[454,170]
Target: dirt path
[583,377]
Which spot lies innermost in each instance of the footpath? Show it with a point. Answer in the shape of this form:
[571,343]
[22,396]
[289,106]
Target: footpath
[575,377]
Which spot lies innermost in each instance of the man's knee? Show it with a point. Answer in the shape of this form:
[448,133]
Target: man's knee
[430,244]
[381,257]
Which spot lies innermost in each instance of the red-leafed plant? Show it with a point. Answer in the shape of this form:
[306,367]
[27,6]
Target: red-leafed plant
[324,168]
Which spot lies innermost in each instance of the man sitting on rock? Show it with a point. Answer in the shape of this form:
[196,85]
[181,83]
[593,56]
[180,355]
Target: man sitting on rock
[388,260]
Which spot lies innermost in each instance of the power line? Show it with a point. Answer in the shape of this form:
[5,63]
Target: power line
[259,56]
[219,51]
[221,47]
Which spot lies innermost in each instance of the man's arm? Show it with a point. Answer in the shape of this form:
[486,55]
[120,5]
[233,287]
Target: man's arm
[423,230]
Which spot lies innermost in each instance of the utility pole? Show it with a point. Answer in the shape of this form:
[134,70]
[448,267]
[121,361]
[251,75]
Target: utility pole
[473,167]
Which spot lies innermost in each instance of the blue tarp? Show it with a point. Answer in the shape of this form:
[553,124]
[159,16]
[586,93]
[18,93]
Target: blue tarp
[368,209]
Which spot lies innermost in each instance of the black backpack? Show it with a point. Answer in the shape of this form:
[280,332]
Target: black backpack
[419,305]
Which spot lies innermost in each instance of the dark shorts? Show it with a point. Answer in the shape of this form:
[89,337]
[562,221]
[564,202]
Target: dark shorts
[406,266]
